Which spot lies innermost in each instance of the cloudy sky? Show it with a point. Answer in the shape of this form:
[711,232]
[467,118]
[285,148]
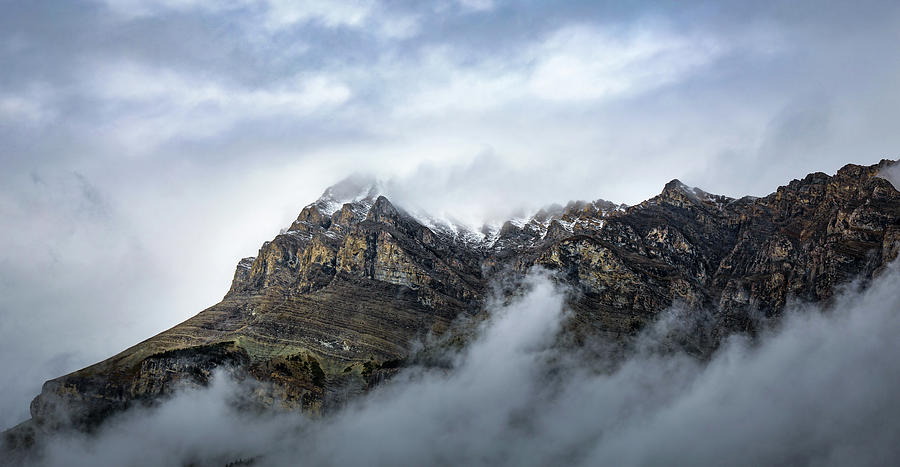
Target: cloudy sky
[146,146]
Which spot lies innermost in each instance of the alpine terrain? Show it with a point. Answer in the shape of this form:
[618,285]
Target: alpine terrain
[344,297]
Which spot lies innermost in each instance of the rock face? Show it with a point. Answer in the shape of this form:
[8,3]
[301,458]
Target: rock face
[334,303]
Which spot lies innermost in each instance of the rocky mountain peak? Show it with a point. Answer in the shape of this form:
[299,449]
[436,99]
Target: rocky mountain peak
[351,189]
[340,205]
[383,211]
[333,305]
[679,194]
[673,185]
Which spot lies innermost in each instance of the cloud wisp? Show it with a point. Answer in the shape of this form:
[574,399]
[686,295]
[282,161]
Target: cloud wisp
[818,388]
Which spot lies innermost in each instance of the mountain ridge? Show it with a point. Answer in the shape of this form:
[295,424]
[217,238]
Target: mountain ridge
[331,305]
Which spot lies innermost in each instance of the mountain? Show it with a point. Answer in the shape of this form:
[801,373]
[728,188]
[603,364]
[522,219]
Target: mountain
[333,305]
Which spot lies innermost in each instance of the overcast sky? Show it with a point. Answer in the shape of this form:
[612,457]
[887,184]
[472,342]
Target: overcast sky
[146,146]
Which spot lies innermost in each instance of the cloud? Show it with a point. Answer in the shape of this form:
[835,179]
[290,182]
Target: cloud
[158,105]
[63,227]
[31,106]
[892,174]
[369,16]
[132,9]
[819,388]
[486,184]
[578,62]
[15,107]
[477,5]
[574,64]
[280,15]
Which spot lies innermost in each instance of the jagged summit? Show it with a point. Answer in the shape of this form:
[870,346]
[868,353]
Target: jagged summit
[354,188]
[556,221]
[680,194]
[351,200]
[342,204]
[677,187]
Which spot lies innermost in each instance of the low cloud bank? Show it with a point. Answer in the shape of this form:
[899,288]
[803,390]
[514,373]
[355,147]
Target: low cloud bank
[820,388]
